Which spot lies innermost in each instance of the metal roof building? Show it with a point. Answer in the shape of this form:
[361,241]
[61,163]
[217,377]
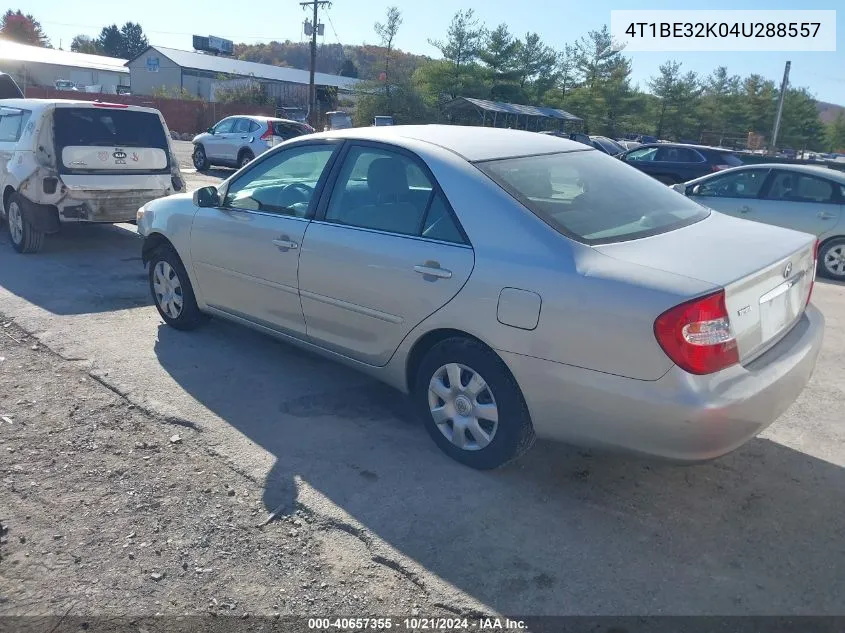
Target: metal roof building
[34,65]
[500,114]
[172,70]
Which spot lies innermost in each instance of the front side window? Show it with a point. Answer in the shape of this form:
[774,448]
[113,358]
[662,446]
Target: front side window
[797,187]
[225,126]
[745,183]
[282,183]
[643,153]
[569,191]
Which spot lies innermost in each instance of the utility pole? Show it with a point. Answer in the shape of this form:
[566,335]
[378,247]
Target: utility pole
[773,144]
[312,89]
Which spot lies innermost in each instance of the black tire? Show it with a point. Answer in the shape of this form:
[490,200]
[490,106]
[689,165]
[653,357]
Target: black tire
[835,250]
[24,237]
[245,158]
[514,434]
[200,159]
[188,316]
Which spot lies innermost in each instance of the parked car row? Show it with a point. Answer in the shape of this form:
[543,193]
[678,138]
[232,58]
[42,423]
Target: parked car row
[514,284]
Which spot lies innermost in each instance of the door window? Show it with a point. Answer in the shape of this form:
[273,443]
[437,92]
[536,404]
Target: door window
[797,187]
[225,126]
[678,155]
[388,191]
[241,126]
[739,184]
[253,126]
[283,183]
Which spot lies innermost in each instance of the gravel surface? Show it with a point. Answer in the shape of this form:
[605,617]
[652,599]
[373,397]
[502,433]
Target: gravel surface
[108,509]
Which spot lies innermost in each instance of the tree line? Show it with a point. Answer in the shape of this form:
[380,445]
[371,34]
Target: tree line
[589,77]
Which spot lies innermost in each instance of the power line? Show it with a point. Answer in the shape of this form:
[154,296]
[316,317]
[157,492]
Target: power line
[266,38]
[331,24]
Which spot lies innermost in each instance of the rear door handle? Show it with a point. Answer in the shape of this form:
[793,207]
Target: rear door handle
[285,243]
[824,215]
[433,271]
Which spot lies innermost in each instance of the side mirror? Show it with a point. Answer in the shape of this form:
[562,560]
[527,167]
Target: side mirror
[207,197]
[210,130]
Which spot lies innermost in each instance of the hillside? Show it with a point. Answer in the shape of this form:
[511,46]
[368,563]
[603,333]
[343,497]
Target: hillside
[333,59]
[828,111]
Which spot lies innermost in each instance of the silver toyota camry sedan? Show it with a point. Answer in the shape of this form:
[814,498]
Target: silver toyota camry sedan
[515,284]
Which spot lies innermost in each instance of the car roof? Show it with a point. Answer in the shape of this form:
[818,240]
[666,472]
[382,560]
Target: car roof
[470,142]
[26,104]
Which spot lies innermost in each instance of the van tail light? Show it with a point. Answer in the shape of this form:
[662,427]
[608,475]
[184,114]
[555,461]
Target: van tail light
[696,335]
[270,138]
[813,272]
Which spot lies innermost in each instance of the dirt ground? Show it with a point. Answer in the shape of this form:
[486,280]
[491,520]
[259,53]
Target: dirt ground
[108,509]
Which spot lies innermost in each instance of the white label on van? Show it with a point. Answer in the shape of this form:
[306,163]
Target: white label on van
[114,158]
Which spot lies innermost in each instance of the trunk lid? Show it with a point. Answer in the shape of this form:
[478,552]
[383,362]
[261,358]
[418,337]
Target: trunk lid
[767,272]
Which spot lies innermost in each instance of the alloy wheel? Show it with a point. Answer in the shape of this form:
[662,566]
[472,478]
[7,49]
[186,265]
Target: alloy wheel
[463,407]
[15,222]
[168,289]
[834,260]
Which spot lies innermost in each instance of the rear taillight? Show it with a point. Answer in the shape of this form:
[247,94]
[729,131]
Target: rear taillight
[697,336]
[268,135]
[715,168]
[813,272]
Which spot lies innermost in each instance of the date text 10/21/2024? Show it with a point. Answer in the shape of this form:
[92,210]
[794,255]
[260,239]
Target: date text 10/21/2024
[441,625]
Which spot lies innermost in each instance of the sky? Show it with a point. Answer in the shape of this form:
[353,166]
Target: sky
[172,22]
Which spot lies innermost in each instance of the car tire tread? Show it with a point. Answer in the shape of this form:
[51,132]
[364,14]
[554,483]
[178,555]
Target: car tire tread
[32,239]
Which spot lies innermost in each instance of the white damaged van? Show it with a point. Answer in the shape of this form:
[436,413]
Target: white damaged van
[79,161]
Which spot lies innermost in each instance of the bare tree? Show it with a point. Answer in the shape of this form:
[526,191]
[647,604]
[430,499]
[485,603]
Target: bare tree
[387,34]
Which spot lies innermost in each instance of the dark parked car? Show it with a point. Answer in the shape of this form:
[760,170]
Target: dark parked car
[672,163]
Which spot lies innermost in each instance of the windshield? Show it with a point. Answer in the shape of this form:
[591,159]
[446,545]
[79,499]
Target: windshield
[593,198]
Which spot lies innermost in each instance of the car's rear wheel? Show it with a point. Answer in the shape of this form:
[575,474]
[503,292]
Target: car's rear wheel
[245,158]
[471,405]
[200,159]
[832,259]
[172,291]
[25,238]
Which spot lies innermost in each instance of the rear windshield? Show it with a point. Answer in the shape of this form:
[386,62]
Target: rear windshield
[108,127]
[288,130]
[592,197]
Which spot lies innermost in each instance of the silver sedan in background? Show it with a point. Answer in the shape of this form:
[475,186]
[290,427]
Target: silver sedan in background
[515,284]
[801,197]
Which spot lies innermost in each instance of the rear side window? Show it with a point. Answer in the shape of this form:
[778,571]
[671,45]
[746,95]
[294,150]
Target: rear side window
[12,123]
[729,159]
[570,192]
[678,155]
[108,128]
[796,187]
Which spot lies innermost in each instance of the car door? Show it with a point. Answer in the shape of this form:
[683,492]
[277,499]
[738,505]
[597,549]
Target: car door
[678,164]
[245,253]
[800,201]
[12,122]
[239,138]
[384,252]
[734,193]
[216,144]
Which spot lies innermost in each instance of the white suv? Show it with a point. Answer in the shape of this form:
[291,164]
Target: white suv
[79,161]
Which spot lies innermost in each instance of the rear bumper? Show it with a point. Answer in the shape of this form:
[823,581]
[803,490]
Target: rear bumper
[680,417]
[105,205]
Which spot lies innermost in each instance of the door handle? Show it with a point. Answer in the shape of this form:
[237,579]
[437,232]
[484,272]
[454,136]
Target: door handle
[824,215]
[433,271]
[285,243]
[244,137]
[744,208]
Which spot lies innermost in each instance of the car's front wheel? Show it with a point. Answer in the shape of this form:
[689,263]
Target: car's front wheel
[172,291]
[832,259]
[471,405]
[25,237]
[200,159]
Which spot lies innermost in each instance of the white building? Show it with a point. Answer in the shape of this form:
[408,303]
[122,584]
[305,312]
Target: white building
[37,66]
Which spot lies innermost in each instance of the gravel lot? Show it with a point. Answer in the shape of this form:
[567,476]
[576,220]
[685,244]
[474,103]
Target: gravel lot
[370,517]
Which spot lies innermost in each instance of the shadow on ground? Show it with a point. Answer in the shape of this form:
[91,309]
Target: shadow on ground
[563,531]
[82,269]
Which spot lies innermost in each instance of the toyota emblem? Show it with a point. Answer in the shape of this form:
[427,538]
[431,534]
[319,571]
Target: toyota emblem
[787,270]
